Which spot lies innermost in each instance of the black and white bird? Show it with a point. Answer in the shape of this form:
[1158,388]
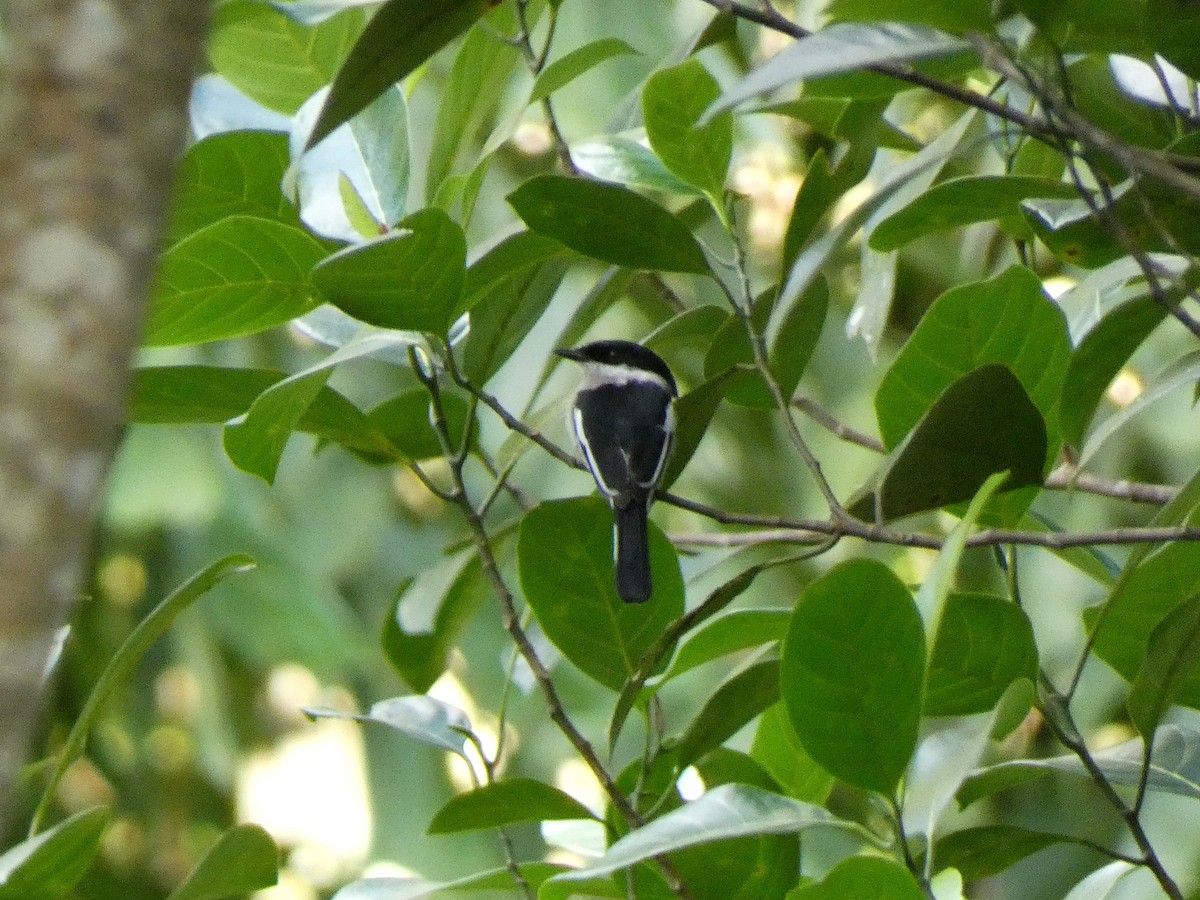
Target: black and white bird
[624,421]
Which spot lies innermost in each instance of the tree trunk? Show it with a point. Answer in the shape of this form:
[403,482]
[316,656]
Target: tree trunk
[92,115]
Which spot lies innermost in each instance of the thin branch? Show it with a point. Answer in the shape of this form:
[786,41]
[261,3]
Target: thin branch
[512,624]
[536,60]
[836,427]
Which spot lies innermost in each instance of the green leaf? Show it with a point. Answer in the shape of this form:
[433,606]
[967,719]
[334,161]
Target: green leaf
[777,749]
[254,442]
[845,120]
[417,640]
[1169,666]
[964,201]
[565,557]
[411,280]
[48,865]
[1183,372]
[839,48]
[404,420]
[789,352]
[493,880]
[175,395]
[570,66]
[623,160]
[731,706]
[121,667]
[469,99]
[852,671]
[512,256]
[424,719]
[860,877]
[271,58]
[314,12]
[1098,359]
[245,858]
[823,185]
[954,16]
[694,412]
[1099,885]
[988,850]
[728,811]
[983,645]
[693,328]
[235,173]
[739,629]
[1169,26]
[399,37]
[673,101]
[502,319]
[508,802]
[607,222]
[1174,767]
[238,276]
[1087,25]
[982,424]
[1004,320]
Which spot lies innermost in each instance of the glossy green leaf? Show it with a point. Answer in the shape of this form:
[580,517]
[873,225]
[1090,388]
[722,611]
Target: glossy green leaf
[983,645]
[410,280]
[852,673]
[964,201]
[954,16]
[245,858]
[988,850]
[469,100]
[1087,25]
[238,276]
[508,802]
[1006,319]
[860,877]
[777,749]
[837,48]
[404,419]
[123,663]
[691,329]
[842,119]
[607,222]
[1099,885]
[694,412]
[173,395]
[399,37]
[623,160]
[824,183]
[428,616]
[982,424]
[565,557]
[423,719]
[739,629]
[570,66]
[728,811]
[502,319]
[1098,360]
[731,706]
[47,866]
[1098,97]
[236,173]
[254,442]
[1169,667]
[673,101]
[273,59]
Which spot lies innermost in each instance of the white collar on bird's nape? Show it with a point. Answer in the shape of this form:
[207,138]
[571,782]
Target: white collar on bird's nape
[598,373]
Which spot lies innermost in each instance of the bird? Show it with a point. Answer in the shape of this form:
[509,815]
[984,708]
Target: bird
[623,418]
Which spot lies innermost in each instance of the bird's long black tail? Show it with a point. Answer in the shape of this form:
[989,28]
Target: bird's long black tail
[634,582]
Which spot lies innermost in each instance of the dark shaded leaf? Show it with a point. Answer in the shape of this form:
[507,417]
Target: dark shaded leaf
[565,557]
[693,414]
[508,802]
[732,705]
[1169,666]
[399,37]
[48,865]
[860,877]
[988,850]
[607,222]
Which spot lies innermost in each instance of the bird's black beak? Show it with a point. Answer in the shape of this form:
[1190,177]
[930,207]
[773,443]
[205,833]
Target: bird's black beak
[569,353]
